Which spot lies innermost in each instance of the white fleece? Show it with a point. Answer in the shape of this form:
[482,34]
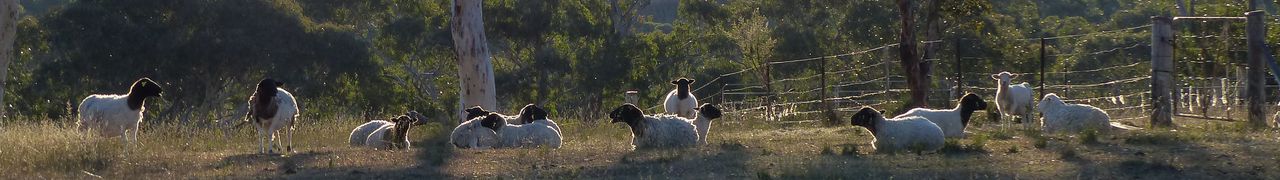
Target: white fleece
[946,119]
[360,133]
[1060,116]
[110,116]
[664,131]
[909,133]
[682,107]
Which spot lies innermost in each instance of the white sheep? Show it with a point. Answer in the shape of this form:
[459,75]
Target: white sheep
[706,113]
[680,101]
[272,109]
[361,132]
[392,136]
[114,115]
[655,131]
[1060,116]
[1013,100]
[912,133]
[952,121]
[492,131]
[533,114]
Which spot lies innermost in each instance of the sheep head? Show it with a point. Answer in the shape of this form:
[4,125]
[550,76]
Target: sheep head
[867,117]
[400,132]
[682,87]
[1004,77]
[530,113]
[141,90]
[493,121]
[419,119]
[1049,99]
[709,111]
[263,99]
[630,114]
[969,103]
[471,134]
[475,112]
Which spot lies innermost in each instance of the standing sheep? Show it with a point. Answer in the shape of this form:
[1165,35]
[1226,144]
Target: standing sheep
[1013,100]
[952,121]
[909,133]
[392,136]
[272,109]
[680,101]
[706,113]
[1060,116]
[114,115]
[655,131]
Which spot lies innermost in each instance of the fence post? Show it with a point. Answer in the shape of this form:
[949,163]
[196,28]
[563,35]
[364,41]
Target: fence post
[959,70]
[768,91]
[887,81]
[722,94]
[1161,71]
[1256,34]
[826,108]
[1043,57]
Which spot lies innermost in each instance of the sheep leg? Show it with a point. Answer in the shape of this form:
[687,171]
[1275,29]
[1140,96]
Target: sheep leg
[289,132]
[262,148]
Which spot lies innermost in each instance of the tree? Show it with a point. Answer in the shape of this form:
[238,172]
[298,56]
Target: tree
[8,31]
[474,69]
[915,69]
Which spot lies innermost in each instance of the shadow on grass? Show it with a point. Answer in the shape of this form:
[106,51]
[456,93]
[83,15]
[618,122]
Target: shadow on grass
[715,161]
[429,155]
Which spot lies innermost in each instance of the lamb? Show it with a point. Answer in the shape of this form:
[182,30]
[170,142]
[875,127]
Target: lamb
[952,121]
[706,113]
[492,131]
[655,131]
[272,109]
[114,115]
[1013,100]
[1060,116]
[680,101]
[392,136]
[913,133]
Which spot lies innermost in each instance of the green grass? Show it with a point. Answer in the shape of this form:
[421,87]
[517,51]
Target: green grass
[740,148]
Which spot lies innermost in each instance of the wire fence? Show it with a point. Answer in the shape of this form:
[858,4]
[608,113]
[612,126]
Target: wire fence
[1108,69]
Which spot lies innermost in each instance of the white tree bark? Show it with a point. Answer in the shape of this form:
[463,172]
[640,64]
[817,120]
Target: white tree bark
[8,32]
[474,69]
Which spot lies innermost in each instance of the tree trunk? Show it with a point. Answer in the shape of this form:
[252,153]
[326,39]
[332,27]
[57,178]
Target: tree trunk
[911,64]
[8,32]
[475,72]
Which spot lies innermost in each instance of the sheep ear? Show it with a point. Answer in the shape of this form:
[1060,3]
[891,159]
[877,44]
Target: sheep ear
[1011,76]
[690,81]
[279,84]
[675,82]
[995,76]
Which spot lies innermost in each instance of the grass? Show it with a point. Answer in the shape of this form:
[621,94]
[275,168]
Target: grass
[740,148]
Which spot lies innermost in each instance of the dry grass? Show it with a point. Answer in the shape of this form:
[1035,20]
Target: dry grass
[740,149]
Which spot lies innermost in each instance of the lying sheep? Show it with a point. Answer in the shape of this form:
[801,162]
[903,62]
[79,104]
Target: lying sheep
[533,114]
[392,136]
[1060,116]
[1013,100]
[680,101]
[358,135]
[492,131]
[114,115]
[272,109]
[655,131]
[912,133]
[952,121]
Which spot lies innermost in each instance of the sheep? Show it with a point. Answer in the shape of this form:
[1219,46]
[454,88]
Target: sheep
[361,132]
[952,121]
[272,109]
[655,131]
[706,113]
[477,111]
[114,115]
[392,136]
[1013,100]
[680,101]
[533,114]
[493,131]
[1060,116]
[358,135]
[913,133]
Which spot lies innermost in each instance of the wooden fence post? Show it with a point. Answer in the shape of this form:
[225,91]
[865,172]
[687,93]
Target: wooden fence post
[1256,33]
[1043,57]
[959,70]
[1161,71]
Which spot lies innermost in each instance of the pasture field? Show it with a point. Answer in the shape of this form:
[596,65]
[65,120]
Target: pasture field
[740,148]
